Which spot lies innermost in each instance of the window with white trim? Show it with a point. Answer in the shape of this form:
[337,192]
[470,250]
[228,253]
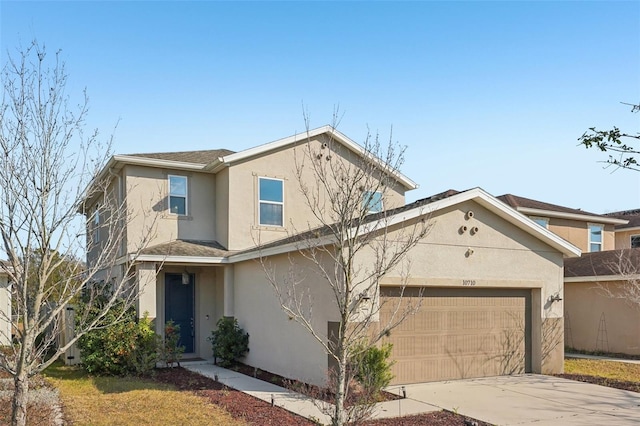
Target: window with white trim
[542,221]
[595,237]
[372,201]
[635,241]
[178,192]
[270,201]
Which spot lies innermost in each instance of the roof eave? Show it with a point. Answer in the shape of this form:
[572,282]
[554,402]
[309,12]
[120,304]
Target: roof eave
[179,259]
[158,163]
[601,278]
[572,216]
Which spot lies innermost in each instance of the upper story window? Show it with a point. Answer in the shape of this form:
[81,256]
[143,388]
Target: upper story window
[595,237]
[271,201]
[635,241]
[542,221]
[178,195]
[372,201]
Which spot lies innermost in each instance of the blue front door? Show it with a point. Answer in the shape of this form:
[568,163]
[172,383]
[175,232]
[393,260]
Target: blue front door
[178,306]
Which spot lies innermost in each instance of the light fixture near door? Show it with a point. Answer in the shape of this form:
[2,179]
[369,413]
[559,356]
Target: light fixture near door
[186,278]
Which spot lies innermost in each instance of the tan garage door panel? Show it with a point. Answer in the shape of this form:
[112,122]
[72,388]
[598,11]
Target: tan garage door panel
[459,333]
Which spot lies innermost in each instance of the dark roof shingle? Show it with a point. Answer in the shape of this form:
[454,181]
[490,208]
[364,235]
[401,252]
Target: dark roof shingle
[196,157]
[516,201]
[633,216]
[602,263]
[188,248]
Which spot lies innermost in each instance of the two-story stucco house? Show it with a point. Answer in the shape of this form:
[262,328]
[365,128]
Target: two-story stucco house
[598,313]
[493,279]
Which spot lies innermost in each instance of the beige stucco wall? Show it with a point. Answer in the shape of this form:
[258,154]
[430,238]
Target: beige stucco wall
[278,344]
[504,256]
[207,298]
[577,233]
[243,193]
[623,238]
[5,311]
[222,207]
[147,199]
[596,322]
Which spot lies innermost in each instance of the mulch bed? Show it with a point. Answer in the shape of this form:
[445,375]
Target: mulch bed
[240,405]
[603,381]
[301,387]
[257,412]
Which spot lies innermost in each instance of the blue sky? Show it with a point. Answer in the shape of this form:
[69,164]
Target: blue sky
[489,94]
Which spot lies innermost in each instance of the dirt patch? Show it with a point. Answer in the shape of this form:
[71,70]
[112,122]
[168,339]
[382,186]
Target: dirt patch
[44,403]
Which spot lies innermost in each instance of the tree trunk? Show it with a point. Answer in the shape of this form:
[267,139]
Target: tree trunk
[20,399]
[339,415]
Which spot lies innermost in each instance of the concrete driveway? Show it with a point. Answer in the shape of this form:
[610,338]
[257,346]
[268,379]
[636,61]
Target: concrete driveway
[531,400]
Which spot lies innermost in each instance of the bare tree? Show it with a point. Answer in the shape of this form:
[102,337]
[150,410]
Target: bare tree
[624,145]
[346,191]
[624,263]
[49,177]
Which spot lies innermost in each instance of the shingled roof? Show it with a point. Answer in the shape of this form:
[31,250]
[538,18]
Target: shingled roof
[633,216]
[516,201]
[188,248]
[196,157]
[602,263]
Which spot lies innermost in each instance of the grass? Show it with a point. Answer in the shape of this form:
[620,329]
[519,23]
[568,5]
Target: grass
[607,369]
[88,400]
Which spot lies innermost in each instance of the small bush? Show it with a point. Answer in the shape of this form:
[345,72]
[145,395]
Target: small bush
[372,367]
[229,342]
[121,345]
[170,352]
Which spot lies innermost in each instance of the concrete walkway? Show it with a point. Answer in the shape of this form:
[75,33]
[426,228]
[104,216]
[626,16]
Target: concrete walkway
[296,402]
[528,399]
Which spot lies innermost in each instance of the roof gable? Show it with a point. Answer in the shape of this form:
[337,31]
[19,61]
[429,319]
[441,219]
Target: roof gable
[419,208]
[299,138]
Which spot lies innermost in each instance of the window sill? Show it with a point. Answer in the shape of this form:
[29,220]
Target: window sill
[176,216]
[269,228]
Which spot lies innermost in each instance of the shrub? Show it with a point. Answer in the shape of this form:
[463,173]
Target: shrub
[372,367]
[121,345]
[170,352]
[229,342]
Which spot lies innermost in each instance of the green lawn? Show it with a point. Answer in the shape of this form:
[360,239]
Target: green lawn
[130,401]
[606,369]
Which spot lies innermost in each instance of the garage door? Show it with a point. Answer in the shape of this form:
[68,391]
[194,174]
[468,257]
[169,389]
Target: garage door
[459,333]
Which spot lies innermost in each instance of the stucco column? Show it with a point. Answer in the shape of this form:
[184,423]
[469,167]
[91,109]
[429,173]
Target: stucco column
[5,312]
[228,291]
[146,277]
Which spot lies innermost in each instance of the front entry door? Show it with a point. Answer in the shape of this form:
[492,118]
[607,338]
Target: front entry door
[178,306]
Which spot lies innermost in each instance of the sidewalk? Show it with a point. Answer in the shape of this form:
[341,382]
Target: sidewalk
[601,358]
[296,402]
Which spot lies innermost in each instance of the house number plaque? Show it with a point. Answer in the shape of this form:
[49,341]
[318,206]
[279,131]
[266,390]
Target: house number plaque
[468,282]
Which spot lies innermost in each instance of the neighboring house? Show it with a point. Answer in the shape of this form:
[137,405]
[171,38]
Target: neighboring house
[5,307]
[627,235]
[599,315]
[590,232]
[492,278]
